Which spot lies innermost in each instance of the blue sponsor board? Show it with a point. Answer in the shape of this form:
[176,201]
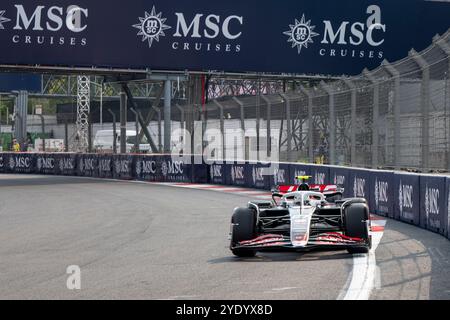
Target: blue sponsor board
[359,184]
[19,163]
[448,208]
[123,167]
[46,163]
[280,175]
[146,168]
[66,164]
[236,175]
[320,174]
[174,169]
[87,165]
[217,173]
[299,36]
[341,178]
[2,163]
[382,193]
[407,198]
[433,204]
[258,175]
[199,170]
[105,166]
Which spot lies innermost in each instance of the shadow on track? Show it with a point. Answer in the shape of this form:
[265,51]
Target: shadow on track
[316,255]
[33,181]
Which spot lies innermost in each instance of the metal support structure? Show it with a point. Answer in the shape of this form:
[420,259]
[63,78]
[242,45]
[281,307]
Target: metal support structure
[167,116]
[353,121]
[123,123]
[20,127]
[288,126]
[396,106]
[425,104]
[136,141]
[376,115]
[332,122]
[308,94]
[144,124]
[160,142]
[81,142]
[268,126]
[445,47]
[222,129]
[114,131]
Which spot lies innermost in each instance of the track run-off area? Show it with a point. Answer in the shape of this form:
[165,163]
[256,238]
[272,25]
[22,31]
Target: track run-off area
[136,240]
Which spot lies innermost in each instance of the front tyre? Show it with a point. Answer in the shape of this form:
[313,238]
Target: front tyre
[243,227]
[356,225]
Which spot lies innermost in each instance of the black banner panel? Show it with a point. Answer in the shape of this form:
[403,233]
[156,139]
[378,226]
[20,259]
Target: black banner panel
[300,36]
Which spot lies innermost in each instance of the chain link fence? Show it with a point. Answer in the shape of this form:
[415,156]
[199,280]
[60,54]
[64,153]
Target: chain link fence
[396,117]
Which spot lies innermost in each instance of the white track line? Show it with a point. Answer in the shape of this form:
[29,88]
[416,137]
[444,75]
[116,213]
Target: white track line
[363,276]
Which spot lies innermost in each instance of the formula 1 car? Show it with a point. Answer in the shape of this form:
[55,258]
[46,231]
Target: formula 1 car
[301,220]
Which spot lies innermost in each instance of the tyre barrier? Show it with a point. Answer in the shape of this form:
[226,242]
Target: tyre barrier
[418,199]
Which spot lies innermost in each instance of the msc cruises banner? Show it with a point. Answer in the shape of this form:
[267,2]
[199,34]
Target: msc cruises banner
[291,36]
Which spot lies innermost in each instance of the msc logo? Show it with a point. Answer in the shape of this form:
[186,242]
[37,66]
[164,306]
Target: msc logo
[87,165]
[104,165]
[19,163]
[339,180]
[1,162]
[3,19]
[319,178]
[359,185]
[146,167]
[45,164]
[237,173]
[151,27]
[343,33]
[431,201]
[66,164]
[172,168]
[381,192]
[258,175]
[301,34]
[405,198]
[121,166]
[216,171]
[280,176]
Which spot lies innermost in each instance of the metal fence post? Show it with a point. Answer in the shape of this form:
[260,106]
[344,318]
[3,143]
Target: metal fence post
[136,141]
[222,128]
[288,125]
[376,115]
[167,116]
[396,147]
[123,122]
[352,88]
[242,114]
[310,124]
[425,103]
[114,131]
[445,47]
[158,112]
[268,124]
[332,122]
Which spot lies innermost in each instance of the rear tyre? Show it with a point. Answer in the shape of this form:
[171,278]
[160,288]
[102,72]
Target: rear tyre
[243,227]
[356,217]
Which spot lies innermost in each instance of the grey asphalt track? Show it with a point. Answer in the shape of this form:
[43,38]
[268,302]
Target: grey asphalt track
[143,241]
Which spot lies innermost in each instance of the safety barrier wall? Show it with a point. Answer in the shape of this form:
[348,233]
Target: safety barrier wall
[418,199]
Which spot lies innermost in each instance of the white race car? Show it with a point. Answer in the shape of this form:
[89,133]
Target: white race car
[302,220]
